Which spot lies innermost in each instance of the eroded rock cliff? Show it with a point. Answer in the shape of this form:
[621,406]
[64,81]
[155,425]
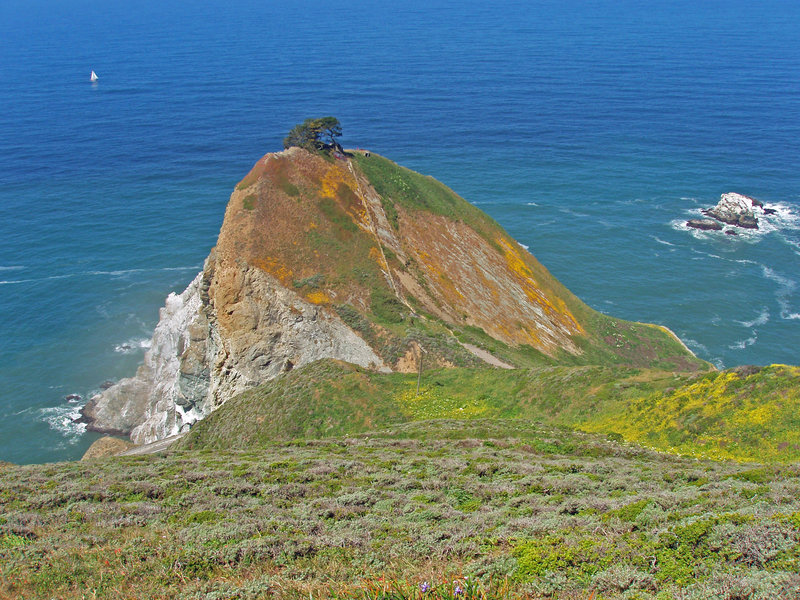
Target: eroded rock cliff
[234,327]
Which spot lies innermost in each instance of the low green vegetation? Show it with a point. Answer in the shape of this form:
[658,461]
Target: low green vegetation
[420,193]
[640,405]
[459,508]
[747,412]
[582,476]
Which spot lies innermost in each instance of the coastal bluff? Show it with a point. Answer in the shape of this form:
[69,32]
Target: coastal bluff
[357,259]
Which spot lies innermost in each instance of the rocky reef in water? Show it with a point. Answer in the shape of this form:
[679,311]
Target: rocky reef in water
[732,209]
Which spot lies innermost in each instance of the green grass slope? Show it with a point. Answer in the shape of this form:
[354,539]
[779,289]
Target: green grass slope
[330,398]
[743,413]
[739,414]
[499,508]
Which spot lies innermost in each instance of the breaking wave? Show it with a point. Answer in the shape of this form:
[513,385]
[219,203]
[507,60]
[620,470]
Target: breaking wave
[132,346]
[742,344]
[786,288]
[761,319]
[62,419]
[119,273]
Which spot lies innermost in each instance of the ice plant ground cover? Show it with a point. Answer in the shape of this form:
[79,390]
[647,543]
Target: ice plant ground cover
[518,510]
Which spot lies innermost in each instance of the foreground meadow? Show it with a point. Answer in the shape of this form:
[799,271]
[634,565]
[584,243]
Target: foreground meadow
[432,509]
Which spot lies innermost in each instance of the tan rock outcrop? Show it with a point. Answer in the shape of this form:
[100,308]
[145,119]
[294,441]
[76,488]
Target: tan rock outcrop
[234,327]
[106,446]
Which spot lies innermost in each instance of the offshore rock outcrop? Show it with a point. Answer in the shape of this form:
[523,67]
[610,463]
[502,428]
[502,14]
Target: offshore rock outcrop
[704,224]
[735,209]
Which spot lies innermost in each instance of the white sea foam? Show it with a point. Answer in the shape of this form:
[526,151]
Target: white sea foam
[36,279]
[574,213]
[784,282]
[785,218]
[786,288]
[698,234]
[761,319]
[12,268]
[660,241]
[524,246]
[695,346]
[131,346]
[62,419]
[742,344]
[93,273]
[531,204]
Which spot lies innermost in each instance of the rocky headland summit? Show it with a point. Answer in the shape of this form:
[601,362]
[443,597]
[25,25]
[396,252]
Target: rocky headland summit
[348,256]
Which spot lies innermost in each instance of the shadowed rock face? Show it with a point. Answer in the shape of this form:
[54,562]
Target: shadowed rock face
[232,328]
[704,224]
[308,241]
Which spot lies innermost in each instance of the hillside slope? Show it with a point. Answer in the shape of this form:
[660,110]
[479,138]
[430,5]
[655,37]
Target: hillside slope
[745,413]
[358,259]
[523,511]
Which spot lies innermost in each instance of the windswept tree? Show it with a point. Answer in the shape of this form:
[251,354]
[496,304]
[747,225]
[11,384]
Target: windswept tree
[315,134]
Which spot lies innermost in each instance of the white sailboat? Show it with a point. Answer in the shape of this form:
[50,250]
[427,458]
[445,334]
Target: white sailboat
[93,77]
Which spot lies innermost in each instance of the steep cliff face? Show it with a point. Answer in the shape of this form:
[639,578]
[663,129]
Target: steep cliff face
[232,328]
[360,260]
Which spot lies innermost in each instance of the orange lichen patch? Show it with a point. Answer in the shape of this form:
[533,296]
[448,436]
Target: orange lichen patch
[340,185]
[333,178]
[533,291]
[514,259]
[492,285]
[427,261]
[375,255]
[318,297]
[275,268]
[562,309]
[536,341]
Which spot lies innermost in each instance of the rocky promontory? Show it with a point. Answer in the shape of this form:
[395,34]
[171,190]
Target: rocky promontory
[352,257]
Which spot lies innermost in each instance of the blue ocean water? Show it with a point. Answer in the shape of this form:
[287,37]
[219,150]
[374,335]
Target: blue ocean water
[590,130]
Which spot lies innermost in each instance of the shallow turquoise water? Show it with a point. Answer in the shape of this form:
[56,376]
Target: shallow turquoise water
[591,131]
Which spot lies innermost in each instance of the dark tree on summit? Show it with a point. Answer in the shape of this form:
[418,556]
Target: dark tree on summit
[315,134]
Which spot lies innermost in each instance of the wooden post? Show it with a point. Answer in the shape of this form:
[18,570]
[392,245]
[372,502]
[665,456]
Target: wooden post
[419,375]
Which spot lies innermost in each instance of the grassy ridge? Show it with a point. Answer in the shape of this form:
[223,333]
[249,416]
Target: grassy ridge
[747,413]
[741,415]
[421,193]
[334,398]
[520,509]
